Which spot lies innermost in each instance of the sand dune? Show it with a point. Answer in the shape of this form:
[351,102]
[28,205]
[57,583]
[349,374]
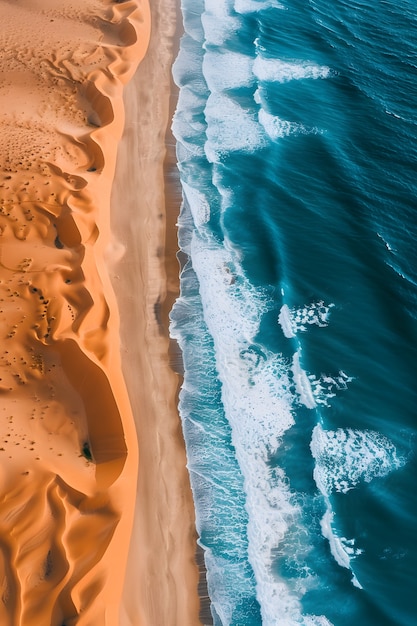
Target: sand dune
[68,443]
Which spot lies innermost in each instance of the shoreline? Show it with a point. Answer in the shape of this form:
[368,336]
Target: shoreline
[98,516]
[162,577]
[69,450]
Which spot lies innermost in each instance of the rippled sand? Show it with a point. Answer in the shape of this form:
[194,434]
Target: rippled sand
[69,458]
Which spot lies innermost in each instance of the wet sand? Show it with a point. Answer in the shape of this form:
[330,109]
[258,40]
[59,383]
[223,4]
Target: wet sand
[69,447]
[162,583]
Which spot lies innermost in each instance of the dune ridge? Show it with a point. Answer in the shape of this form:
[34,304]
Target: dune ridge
[68,445]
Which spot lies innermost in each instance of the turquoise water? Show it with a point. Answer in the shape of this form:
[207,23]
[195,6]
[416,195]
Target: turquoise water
[296,133]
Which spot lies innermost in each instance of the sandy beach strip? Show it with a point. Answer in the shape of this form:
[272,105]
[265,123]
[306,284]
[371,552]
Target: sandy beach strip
[68,451]
[161,586]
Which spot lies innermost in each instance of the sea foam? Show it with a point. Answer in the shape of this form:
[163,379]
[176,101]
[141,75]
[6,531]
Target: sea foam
[259,388]
[342,549]
[298,319]
[257,397]
[276,70]
[216,69]
[198,203]
[345,456]
[253,6]
[230,128]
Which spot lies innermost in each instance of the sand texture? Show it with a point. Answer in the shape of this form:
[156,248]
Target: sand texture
[161,585]
[68,444]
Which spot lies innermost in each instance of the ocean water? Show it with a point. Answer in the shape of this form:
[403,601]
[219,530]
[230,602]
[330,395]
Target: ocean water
[296,132]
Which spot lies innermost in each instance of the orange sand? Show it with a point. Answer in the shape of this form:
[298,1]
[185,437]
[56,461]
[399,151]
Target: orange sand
[68,439]
[162,577]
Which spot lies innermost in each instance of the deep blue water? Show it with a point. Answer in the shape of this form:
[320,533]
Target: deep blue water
[296,133]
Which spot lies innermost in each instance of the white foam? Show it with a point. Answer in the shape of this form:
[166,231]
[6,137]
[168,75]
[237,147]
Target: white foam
[187,65]
[257,397]
[341,548]
[316,620]
[219,9]
[218,31]
[227,70]
[257,386]
[253,6]
[285,321]
[221,595]
[186,126]
[275,127]
[257,96]
[191,18]
[402,274]
[346,456]
[199,205]
[388,246]
[299,319]
[326,386]
[230,128]
[302,383]
[275,70]
[220,23]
